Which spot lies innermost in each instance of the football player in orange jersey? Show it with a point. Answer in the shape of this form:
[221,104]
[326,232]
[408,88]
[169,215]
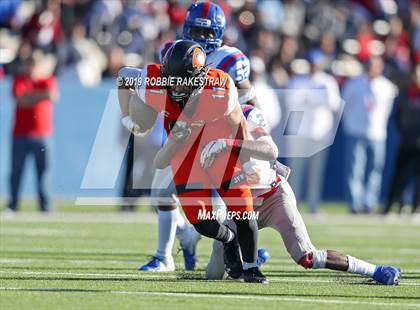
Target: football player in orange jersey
[200,105]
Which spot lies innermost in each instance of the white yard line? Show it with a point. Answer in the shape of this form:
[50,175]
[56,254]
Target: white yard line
[7,260]
[285,262]
[42,232]
[79,217]
[268,298]
[333,220]
[250,297]
[349,249]
[142,275]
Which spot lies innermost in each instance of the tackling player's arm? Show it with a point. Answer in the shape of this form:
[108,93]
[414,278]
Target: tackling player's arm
[179,133]
[260,145]
[164,155]
[247,93]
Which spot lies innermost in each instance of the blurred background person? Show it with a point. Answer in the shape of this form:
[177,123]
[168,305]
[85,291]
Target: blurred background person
[266,93]
[34,91]
[139,168]
[319,97]
[368,104]
[407,163]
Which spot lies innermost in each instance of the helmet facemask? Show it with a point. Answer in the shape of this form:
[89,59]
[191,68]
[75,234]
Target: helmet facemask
[209,19]
[184,64]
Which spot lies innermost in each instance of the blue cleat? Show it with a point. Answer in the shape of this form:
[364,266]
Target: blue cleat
[158,265]
[263,257]
[188,248]
[387,275]
[190,260]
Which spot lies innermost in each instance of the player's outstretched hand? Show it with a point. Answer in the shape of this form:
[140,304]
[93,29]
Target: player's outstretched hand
[210,151]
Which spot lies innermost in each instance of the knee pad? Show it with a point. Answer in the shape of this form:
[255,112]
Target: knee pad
[314,260]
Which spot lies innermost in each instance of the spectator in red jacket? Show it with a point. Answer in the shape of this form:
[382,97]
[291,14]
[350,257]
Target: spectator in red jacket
[34,95]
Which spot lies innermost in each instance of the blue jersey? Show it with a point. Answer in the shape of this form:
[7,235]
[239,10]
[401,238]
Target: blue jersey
[226,58]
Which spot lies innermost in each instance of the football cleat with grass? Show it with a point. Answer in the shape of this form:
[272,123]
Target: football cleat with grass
[158,265]
[188,250]
[387,275]
[232,258]
[254,275]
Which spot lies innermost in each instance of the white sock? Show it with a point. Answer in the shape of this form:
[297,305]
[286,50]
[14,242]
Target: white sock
[360,267]
[182,228]
[319,258]
[166,233]
[246,265]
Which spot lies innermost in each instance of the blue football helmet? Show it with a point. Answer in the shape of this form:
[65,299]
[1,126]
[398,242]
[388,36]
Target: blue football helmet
[209,18]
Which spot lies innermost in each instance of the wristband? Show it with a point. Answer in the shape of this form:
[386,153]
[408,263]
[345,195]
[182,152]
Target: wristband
[233,143]
[127,122]
[133,127]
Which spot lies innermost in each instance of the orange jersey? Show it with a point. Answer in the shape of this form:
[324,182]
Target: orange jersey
[216,100]
[208,122]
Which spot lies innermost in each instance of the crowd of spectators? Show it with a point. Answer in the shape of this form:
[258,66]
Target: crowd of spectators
[94,38]
[90,40]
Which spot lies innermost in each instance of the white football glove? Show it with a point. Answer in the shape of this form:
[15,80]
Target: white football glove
[252,172]
[258,174]
[210,151]
[133,127]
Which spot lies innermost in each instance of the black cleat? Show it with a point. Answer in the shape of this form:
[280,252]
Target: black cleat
[254,275]
[232,258]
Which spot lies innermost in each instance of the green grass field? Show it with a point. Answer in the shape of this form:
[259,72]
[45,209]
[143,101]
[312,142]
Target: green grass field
[70,260]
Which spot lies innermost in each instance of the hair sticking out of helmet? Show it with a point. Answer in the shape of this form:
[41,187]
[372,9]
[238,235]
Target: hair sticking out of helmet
[205,24]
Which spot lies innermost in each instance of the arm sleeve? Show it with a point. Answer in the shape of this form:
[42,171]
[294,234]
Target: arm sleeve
[263,146]
[257,124]
[233,97]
